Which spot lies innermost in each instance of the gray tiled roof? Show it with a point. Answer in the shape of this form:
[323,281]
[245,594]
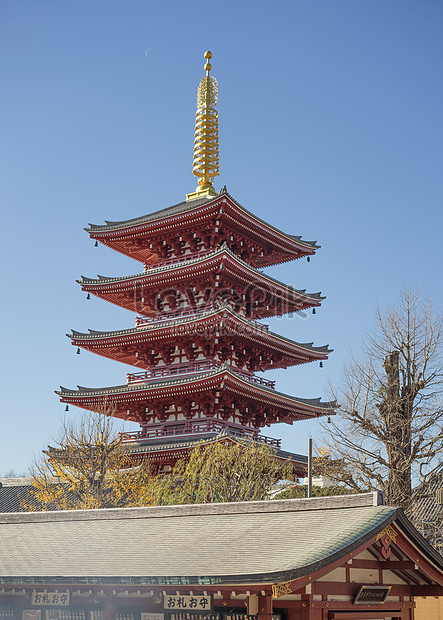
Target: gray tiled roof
[425,507]
[12,497]
[202,543]
[16,496]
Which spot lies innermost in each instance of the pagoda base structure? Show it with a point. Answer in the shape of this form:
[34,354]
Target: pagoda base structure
[346,557]
[163,453]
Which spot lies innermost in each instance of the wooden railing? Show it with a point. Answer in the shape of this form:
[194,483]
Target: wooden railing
[261,326]
[171,370]
[253,378]
[181,313]
[199,427]
[189,368]
[177,259]
[174,314]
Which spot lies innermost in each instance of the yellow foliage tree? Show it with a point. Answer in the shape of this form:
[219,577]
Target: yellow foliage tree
[88,468]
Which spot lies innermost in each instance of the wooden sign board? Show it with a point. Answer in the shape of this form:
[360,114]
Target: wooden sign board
[196,615]
[247,617]
[371,595]
[50,599]
[152,616]
[184,602]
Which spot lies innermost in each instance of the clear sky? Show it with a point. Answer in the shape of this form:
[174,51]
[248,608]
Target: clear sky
[330,127]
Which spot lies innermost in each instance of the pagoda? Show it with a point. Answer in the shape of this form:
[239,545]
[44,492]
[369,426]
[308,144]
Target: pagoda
[199,344]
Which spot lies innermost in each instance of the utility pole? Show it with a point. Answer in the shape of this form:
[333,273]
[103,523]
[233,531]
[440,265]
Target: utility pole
[310,467]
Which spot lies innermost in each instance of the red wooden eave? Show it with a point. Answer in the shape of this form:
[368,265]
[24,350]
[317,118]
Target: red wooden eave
[218,273]
[223,324]
[221,214]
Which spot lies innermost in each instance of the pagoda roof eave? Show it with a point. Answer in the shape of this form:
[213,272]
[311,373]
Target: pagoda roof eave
[167,445]
[137,333]
[95,230]
[296,238]
[180,207]
[220,376]
[222,253]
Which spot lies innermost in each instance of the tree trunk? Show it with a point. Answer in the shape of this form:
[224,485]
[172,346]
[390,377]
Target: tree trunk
[396,412]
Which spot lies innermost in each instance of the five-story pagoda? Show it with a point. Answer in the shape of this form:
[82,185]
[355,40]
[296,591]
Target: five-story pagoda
[199,340]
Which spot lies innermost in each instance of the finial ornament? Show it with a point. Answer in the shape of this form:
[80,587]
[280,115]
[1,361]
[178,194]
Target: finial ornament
[206,134]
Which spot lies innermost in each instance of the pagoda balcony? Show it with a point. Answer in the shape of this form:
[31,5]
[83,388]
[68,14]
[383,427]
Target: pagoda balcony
[179,313]
[190,311]
[191,368]
[198,427]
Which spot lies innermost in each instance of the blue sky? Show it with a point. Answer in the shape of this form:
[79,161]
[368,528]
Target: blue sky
[330,127]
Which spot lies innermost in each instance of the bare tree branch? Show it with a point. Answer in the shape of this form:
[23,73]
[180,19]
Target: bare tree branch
[388,433]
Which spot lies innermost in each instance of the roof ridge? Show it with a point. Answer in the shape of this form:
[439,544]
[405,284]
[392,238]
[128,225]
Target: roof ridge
[362,500]
[141,219]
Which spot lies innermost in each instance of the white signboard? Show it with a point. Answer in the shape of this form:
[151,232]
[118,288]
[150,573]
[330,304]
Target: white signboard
[50,599]
[152,616]
[179,602]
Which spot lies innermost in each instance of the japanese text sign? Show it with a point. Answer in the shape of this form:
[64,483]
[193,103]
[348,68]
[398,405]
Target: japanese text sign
[59,599]
[371,595]
[187,602]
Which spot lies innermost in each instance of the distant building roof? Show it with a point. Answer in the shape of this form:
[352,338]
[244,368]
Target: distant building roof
[425,506]
[15,482]
[13,496]
[426,512]
[16,495]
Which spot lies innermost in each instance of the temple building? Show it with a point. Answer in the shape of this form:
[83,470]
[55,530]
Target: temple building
[199,345]
[347,557]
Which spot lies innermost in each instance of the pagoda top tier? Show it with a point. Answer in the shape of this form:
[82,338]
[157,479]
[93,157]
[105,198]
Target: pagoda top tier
[198,225]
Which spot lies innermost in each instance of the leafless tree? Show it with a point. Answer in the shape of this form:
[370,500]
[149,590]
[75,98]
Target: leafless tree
[388,433]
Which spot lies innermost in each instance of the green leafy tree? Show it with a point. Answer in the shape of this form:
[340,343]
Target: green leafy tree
[222,471]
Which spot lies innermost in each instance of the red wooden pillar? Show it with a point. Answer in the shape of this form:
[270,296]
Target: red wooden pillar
[265,607]
[310,612]
[110,607]
[293,614]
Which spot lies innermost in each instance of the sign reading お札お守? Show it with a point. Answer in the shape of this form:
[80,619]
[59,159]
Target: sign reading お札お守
[61,599]
[187,602]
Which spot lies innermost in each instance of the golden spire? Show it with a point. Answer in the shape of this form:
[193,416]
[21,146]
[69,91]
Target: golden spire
[206,135]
